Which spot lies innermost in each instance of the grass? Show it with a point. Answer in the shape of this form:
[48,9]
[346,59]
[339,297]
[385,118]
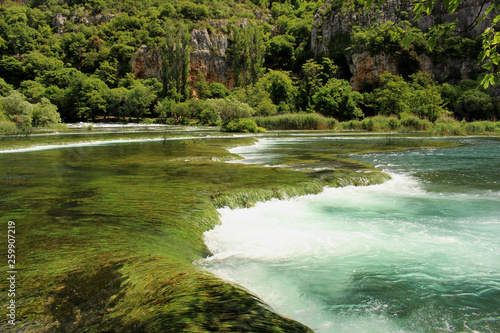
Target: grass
[296,122]
[383,124]
[107,235]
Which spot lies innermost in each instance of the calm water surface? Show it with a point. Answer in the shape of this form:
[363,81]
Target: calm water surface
[420,253]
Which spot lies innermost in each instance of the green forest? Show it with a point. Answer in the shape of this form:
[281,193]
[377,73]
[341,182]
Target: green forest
[76,60]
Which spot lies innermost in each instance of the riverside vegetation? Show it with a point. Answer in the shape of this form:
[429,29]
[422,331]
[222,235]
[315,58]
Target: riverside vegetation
[107,234]
[72,60]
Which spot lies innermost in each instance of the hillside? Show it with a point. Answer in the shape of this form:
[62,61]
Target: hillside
[86,60]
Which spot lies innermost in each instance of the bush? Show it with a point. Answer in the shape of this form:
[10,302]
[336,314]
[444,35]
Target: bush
[45,114]
[336,99]
[476,105]
[242,125]
[17,109]
[209,117]
[228,109]
[217,90]
[8,127]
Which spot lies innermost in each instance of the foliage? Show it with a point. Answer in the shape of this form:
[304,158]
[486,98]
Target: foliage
[217,90]
[5,88]
[476,105]
[489,57]
[257,97]
[247,53]
[314,76]
[229,109]
[280,50]
[296,122]
[164,109]
[176,57]
[395,96]
[82,64]
[336,99]
[139,100]
[45,114]
[17,109]
[388,37]
[280,87]
[470,101]
[242,125]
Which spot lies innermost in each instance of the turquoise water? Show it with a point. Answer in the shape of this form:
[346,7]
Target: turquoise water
[420,253]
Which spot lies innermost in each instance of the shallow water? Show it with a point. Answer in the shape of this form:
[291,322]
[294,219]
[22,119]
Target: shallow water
[419,253]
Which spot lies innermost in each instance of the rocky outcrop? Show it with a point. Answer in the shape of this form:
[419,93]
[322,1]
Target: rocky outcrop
[208,56]
[97,19]
[147,62]
[79,16]
[332,26]
[366,68]
[58,22]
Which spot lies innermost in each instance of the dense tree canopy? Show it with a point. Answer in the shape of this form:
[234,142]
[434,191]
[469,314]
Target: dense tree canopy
[73,59]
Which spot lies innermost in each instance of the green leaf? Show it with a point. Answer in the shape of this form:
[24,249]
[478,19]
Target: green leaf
[432,42]
[418,9]
[407,41]
[490,8]
[485,82]
[482,56]
[368,4]
[488,66]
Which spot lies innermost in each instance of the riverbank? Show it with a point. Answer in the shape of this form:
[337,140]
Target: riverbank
[108,233]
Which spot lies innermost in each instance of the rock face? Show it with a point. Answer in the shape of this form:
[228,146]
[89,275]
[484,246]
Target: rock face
[147,63]
[208,56]
[365,67]
[58,22]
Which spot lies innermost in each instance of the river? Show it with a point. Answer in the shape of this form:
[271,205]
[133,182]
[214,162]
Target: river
[419,253]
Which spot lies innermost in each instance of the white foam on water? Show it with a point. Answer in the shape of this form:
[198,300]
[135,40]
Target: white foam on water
[102,142]
[303,255]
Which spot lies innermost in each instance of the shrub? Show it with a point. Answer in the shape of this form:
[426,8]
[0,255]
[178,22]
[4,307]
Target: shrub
[209,117]
[337,99]
[242,125]
[476,105]
[45,114]
[228,109]
[18,109]
[217,90]
[8,127]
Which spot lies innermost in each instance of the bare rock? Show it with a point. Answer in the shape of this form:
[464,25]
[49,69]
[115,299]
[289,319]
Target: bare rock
[58,22]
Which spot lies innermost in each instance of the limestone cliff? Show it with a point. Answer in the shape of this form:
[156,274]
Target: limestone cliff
[208,56]
[333,25]
[147,62]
